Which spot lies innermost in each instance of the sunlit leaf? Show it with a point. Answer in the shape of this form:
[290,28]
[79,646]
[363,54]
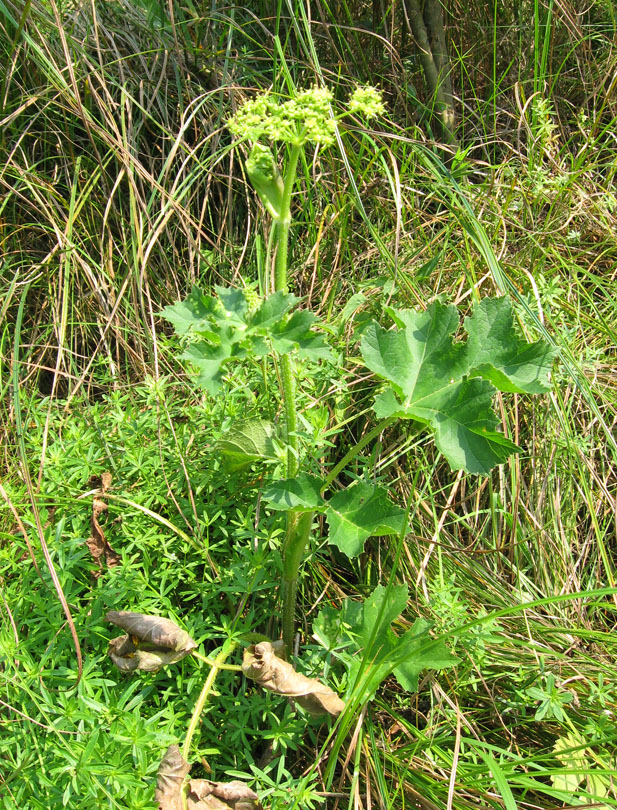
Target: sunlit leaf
[361,634]
[450,385]
[247,441]
[302,493]
[361,511]
[263,665]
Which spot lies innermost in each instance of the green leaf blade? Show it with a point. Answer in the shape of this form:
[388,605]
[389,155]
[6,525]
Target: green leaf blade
[272,310]
[362,634]
[359,512]
[418,652]
[194,314]
[209,361]
[302,494]
[296,334]
[497,353]
[246,442]
[450,385]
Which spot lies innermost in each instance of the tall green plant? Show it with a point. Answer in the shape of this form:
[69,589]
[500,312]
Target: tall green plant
[445,385]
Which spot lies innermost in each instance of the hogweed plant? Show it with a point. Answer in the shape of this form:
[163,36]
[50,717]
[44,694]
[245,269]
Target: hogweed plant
[444,385]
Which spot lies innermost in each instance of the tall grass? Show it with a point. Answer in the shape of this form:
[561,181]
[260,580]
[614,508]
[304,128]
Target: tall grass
[119,191]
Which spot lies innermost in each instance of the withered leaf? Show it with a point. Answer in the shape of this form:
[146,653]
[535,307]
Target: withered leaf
[263,665]
[98,545]
[170,778]
[233,794]
[201,794]
[150,643]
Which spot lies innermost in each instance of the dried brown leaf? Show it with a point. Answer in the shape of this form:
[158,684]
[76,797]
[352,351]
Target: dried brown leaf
[151,641]
[263,665]
[172,772]
[201,794]
[234,794]
[97,543]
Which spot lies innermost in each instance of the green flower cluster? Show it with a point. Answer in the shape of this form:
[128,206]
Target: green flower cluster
[366,101]
[304,119]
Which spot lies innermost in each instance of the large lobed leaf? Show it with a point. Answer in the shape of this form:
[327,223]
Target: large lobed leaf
[353,514]
[450,385]
[224,328]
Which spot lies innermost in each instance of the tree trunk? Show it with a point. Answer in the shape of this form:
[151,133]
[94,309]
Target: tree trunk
[429,34]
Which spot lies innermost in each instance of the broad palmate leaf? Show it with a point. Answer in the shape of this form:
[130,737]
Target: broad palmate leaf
[224,328]
[450,385]
[354,514]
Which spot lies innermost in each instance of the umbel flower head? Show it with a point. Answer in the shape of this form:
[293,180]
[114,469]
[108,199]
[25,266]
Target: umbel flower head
[306,118]
[366,101]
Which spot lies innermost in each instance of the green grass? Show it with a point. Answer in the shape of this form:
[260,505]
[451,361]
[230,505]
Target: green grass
[119,190]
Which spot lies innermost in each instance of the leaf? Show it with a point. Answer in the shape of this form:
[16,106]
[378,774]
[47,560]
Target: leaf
[233,794]
[245,442]
[234,303]
[370,620]
[296,333]
[302,493]
[498,354]
[359,512]
[572,760]
[224,329]
[151,641]
[376,651]
[416,651]
[191,315]
[201,794]
[450,386]
[272,310]
[208,360]
[170,779]
[263,665]
[98,545]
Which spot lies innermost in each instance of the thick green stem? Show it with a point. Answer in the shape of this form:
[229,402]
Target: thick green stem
[283,224]
[298,530]
[297,533]
[291,418]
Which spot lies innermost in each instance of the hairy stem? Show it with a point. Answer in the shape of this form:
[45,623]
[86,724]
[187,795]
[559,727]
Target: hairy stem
[216,666]
[291,418]
[298,530]
[296,536]
[283,225]
[283,222]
